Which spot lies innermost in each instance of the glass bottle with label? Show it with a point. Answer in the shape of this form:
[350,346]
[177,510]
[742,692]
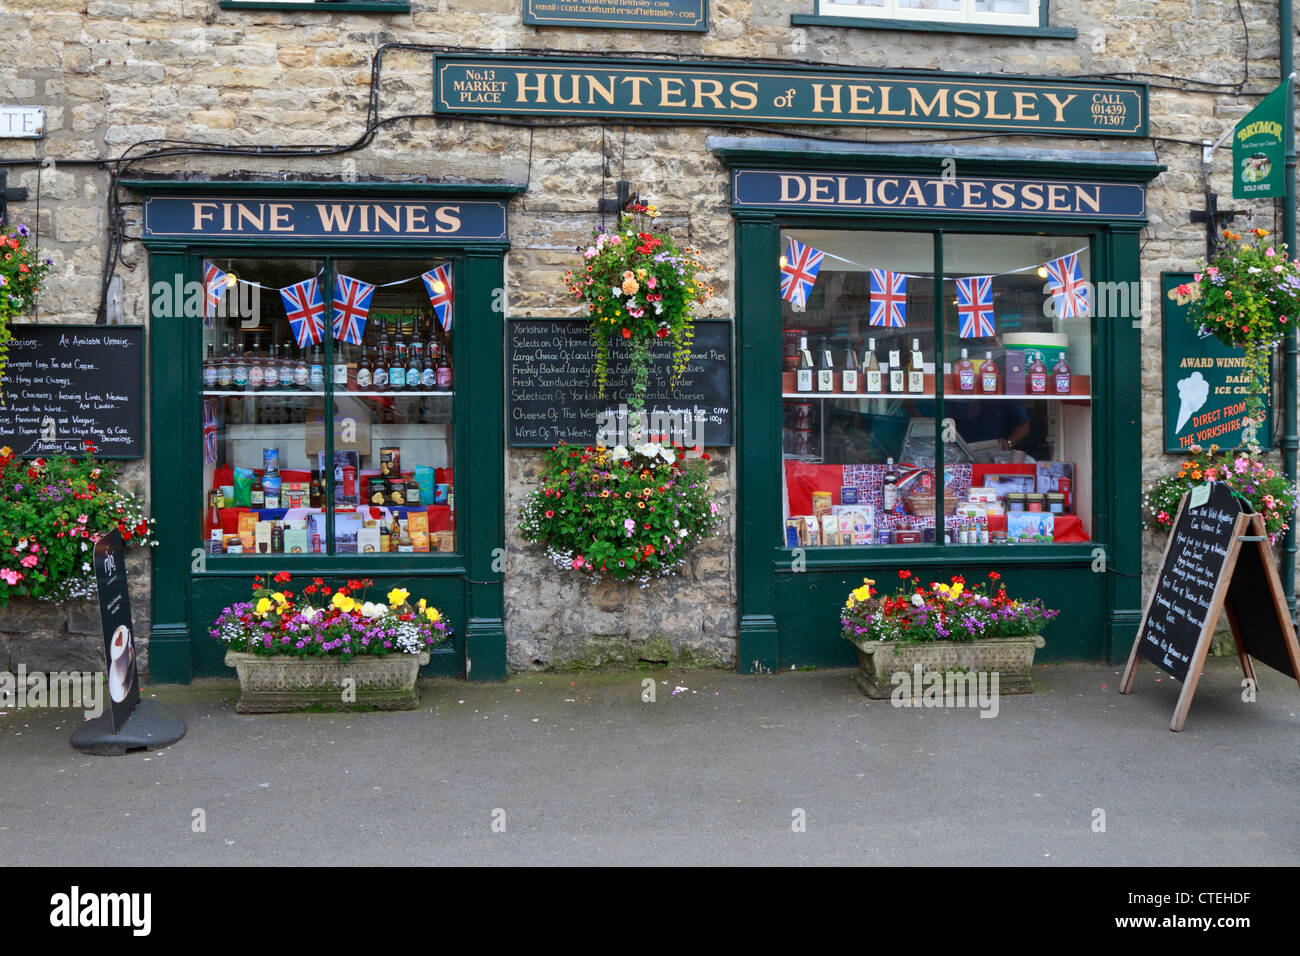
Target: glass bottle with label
[317,369]
[849,372]
[379,376]
[277,538]
[225,369]
[916,369]
[804,374]
[889,493]
[414,361]
[871,368]
[397,362]
[965,374]
[444,369]
[258,493]
[365,375]
[1037,375]
[301,373]
[1061,376]
[256,370]
[341,350]
[272,374]
[825,369]
[428,369]
[210,369]
[989,378]
[897,377]
[240,376]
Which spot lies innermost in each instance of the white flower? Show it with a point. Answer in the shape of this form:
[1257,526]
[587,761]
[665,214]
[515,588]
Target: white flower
[85,565]
[309,613]
[619,453]
[372,610]
[667,455]
[917,600]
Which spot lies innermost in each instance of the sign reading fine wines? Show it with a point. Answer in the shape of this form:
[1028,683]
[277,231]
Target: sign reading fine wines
[620,14]
[263,218]
[575,86]
[937,194]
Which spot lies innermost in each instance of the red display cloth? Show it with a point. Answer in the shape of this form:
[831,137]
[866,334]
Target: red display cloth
[1065,529]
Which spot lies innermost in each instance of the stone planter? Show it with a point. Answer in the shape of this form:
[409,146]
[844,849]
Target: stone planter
[272,685]
[1011,657]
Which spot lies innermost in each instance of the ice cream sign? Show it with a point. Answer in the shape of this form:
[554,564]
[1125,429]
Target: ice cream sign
[1205,383]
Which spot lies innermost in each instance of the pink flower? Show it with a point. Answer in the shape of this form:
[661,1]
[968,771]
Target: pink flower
[1212,270]
[1268,473]
[578,562]
[10,576]
[29,561]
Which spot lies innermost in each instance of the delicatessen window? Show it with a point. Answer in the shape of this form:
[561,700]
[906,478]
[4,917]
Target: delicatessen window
[936,390]
[328,391]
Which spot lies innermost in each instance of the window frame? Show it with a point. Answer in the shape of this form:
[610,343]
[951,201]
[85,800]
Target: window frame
[965,20]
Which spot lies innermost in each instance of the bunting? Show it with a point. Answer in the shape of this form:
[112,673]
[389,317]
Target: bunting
[975,307]
[214,287]
[305,310]
[438,283]
[799,272]
[351,308]
[888,298]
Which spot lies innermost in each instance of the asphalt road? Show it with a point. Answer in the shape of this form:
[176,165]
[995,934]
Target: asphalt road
[719,769]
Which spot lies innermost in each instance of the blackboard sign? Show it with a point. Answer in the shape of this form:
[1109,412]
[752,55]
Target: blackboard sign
[1185,590]
[115,616]
[1217,559]
[66,384]
[1205,392]
[552,393]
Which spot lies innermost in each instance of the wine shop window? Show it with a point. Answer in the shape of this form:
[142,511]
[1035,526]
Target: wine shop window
[956,411]
[328,407]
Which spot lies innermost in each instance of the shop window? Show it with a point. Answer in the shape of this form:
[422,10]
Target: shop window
[321,445]
[1024,13]
[966,421]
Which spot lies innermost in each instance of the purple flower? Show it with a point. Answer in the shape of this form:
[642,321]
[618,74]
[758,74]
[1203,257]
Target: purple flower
[22,231]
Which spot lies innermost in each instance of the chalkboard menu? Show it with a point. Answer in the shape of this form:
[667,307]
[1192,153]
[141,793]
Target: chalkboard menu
[552,394]
[66,384]
[1184,594]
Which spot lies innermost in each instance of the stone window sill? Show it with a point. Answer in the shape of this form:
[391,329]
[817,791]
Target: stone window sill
[933,26]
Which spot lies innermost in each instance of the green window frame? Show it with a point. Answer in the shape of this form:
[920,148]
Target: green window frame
[1035,23]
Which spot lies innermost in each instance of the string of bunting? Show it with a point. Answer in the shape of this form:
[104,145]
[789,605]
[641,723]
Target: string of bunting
[304,305]
[1070,294]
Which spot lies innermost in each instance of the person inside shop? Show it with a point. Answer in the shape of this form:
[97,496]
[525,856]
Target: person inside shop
[1006,422]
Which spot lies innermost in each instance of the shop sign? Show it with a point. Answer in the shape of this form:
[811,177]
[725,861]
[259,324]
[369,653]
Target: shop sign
[732,92]
[877,193]
[1205,389]
[167,217]
[1258,154]
[22,122]
[692,15]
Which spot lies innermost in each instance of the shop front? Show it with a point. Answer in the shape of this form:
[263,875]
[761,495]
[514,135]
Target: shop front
[950,388]
[327,396]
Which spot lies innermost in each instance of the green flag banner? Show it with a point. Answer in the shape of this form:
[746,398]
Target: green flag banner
[1258,151]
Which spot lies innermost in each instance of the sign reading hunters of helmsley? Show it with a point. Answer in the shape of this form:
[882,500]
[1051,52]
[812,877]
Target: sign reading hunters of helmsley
[749,92]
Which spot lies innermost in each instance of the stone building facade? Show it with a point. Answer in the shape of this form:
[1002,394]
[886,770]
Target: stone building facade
[120,77]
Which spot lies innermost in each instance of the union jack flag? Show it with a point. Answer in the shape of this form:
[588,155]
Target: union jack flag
[975,307]
[799,272]
[1069,291]
[210,430]
[305,310]
[438,283]
[351,308]
[888,298]
[214,287]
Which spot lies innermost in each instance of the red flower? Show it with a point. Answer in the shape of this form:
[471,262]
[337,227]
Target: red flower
[627,334]
[662,333]
[281,577]
[904,574]
[994,575]
[142,529]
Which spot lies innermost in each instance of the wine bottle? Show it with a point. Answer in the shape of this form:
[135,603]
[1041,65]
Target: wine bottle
[1038,375]
[804,374]
[849,373]
[916,369]
[871,368]
[1061,376]
[209,369]
[825,369]
[897,379]
[889,494]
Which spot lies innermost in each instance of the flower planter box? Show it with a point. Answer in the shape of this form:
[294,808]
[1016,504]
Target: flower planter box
[1011,657]
[272,685]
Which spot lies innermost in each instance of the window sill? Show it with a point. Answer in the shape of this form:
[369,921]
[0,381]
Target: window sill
[346,6]
[933,26]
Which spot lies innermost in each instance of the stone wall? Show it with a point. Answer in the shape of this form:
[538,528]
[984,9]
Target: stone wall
[111,74]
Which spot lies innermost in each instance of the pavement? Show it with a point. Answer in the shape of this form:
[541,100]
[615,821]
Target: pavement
[791,768]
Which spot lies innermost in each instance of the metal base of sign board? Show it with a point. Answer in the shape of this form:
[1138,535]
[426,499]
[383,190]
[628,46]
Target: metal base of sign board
[150,727]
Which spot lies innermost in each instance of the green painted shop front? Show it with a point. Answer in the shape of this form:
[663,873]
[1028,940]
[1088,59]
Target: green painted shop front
[790,598]
[190,585]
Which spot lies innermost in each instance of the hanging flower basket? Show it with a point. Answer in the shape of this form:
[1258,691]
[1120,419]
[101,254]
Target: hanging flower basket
[640,286]
[1248,298]
[22,270]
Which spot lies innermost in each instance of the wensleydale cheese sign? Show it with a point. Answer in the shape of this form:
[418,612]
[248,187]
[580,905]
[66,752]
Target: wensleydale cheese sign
[752,92]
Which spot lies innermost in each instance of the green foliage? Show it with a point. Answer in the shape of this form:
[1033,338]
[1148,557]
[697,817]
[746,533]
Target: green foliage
[622,513]
[52,511]
[22,270]
[640,286]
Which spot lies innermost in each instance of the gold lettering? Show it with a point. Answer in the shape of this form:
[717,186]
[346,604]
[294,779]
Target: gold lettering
[843,198]
[913,195]
[394,221]
[594,87]
[1033,195]
[969,187]
[636,82]
[332,217]
[280,217]
[968,103]
[1082,198]
[940,192]
[521,95]
[990,96]
[880,192]
[364,217]
[200,215]
[786,182]
[225,217]
[859,99]
[1061,104]
[1024,105]
[1004,196]
[920,105]
[415,218]
[714,93]
[448,218]
[575,96]
[246,215]
[819,98]
[670,86]
[1058,198]
[820,189]
[746,90]
[884,103]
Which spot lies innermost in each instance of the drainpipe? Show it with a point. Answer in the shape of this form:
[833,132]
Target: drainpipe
[1290,440]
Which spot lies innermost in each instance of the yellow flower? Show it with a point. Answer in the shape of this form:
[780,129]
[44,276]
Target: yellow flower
[956,590]
[6,451]
[343,603]
[397,596]
[433,615]
[263,607]
[640,273]
[630,286]
[861,593]
[421,605]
